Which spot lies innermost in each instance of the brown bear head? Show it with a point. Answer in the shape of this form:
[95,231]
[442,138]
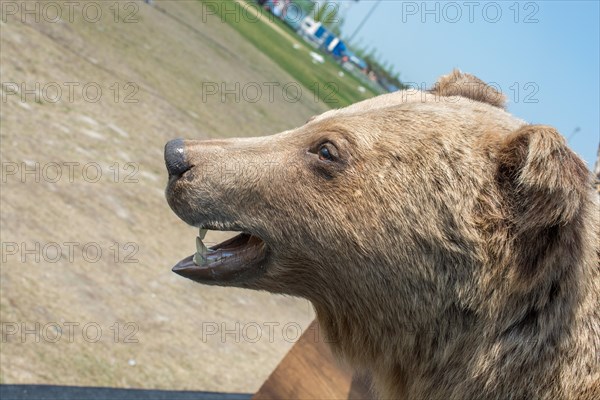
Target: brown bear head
[413,209]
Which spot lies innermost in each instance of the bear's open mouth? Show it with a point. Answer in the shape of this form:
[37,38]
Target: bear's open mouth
[233,260]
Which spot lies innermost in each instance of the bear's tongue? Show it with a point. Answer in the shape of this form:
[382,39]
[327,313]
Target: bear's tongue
[205,256]
[224,261]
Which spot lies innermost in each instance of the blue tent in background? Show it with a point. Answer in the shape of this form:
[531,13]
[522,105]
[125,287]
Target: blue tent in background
[294,16]
[334,45]
[320,32]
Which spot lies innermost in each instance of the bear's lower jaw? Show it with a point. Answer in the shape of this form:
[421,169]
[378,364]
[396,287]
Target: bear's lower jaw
[232,262]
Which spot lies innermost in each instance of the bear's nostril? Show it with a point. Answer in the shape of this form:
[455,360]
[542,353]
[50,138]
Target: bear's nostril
[175,157]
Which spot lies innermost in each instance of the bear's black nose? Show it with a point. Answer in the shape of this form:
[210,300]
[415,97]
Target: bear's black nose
[175,157]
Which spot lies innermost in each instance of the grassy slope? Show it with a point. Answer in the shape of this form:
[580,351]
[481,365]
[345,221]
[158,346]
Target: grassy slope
[169,55]
[276,40]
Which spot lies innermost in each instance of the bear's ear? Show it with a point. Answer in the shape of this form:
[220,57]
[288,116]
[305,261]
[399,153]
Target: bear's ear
[457,83]
[544,183]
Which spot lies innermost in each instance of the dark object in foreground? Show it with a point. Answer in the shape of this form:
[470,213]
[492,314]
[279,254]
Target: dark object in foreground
[51,392]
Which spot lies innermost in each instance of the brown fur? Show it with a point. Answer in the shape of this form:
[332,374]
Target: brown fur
[465,85]
[452,252]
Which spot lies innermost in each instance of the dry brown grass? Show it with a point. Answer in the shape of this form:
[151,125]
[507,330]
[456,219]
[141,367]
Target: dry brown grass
[168,61]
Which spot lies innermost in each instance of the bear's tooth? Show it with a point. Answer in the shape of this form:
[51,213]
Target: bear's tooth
[202,233]
[198,259]
[200,247]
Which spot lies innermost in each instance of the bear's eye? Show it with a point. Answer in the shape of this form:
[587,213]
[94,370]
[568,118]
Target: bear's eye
[327,152]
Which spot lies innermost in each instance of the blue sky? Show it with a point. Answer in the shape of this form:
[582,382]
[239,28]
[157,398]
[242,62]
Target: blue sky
[549,55]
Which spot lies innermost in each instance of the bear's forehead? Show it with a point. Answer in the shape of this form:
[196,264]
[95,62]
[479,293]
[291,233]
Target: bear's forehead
[412,99]
[415,112]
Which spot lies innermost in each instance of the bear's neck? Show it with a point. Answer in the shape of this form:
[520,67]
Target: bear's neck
[477,355]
